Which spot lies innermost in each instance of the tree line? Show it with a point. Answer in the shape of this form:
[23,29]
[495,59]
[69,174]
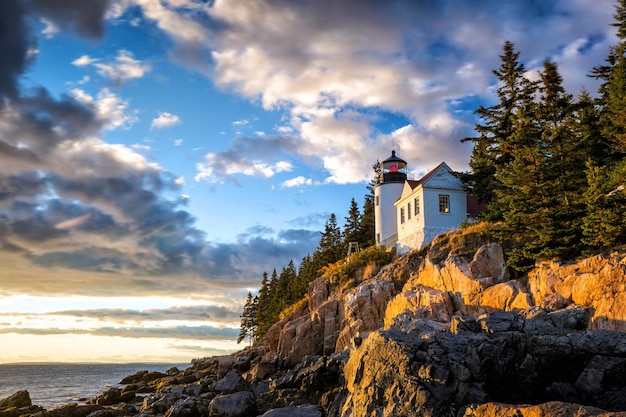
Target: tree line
[280,290]
[551,168]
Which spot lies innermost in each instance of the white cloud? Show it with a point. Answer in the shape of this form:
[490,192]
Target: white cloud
[84,61]
[124,68]
[216,168]
[164,120]
[50,28]
[110,109]
[179,181]
[178,142]
[298,181]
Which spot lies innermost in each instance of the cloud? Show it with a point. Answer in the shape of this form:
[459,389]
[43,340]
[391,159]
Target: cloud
[164,120]
[110,109]
[213,313]
[84,61]
[247,156]
[174,332]
[335,73]
[125,68]
[299,181]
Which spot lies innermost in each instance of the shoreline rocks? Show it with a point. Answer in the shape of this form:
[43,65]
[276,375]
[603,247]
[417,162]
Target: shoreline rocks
[450,338]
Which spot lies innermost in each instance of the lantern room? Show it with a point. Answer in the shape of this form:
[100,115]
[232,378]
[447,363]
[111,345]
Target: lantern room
[394,169]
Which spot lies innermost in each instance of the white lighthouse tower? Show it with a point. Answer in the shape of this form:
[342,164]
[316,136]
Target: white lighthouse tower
[385,195]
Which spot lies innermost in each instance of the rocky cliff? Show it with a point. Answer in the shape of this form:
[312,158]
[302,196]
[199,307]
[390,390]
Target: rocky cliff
[429,335]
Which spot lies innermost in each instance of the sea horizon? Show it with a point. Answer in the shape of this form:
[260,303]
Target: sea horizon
[54,384]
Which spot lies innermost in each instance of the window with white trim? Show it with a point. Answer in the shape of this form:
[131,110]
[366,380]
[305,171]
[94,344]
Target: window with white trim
[444,203]
[401,214]
[416,205]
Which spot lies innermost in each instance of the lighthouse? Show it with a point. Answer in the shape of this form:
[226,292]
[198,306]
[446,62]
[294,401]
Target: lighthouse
[385,195]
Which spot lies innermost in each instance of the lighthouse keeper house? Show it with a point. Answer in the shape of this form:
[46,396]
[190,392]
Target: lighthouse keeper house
[409,214]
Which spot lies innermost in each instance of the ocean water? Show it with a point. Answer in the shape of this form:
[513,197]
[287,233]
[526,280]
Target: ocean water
[52,385]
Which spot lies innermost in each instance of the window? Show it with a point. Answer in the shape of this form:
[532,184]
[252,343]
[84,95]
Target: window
[402,215]
[444,203]
[408,211]
[416,205]
[377,200]
[377,237]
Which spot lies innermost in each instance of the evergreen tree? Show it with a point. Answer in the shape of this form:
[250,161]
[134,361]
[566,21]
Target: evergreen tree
[563,173]
[605,223]
[613,90]
[248,319]
[368,223]
[330,248]
[606,206]
[492,152]
[352,226]
[288,286]
[263,313]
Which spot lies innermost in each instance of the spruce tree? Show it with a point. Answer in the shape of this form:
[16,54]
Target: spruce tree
[604,227]
[331,247]
[368,223]
[352,226]
[492,151]
[263,314]
[248,319]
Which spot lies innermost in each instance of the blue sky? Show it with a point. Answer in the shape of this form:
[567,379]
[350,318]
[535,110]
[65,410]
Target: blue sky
[156,156]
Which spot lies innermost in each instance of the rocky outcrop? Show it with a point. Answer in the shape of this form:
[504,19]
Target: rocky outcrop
[415,368]
[598,282]
[442,335]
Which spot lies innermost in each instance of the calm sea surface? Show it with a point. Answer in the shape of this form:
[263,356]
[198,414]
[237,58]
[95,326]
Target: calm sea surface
[53,385]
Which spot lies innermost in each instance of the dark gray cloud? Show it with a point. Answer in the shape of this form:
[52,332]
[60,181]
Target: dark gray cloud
[175,332]
[213,313]
[84,17]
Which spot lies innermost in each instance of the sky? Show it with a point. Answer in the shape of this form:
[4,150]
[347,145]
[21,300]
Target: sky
[157,156]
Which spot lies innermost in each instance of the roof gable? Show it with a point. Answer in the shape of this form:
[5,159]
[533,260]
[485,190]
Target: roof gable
[441,177]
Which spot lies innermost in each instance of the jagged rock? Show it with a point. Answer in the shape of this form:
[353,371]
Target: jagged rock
[158,403]
[230,383]
[19,399]
[142,376]
[420,301]
[112,396]
[507,296]
[318,293]
[364,310]
[488,262]
[185,407]
[239,404]
[419,369]
[598,283]
[73,410]
[298,411]
[552,409]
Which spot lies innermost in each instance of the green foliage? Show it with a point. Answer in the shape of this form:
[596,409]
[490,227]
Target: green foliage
[248,318]
[550,168]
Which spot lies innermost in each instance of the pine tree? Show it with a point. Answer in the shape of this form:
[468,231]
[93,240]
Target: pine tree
[368,223]
[604,227]
[613,89]
[605,223]
[492,151]
[331,247]
[562,173]
[352,226]
[263,313]
[248,319]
